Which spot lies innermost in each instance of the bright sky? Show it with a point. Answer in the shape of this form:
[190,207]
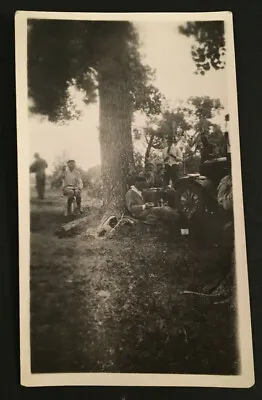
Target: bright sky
[165,50]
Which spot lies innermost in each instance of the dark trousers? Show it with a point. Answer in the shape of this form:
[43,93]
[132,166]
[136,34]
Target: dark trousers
[172,173]
[70,194]
[40,186]
[78,202]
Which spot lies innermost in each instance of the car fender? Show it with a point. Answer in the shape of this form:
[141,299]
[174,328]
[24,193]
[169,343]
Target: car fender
[202,181]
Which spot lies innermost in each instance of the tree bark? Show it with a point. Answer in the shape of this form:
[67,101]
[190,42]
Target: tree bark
[116,145]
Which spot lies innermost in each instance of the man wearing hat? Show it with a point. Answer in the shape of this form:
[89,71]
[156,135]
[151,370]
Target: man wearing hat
[72,179]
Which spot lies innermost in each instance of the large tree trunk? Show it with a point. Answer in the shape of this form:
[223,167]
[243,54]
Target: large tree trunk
[116,145]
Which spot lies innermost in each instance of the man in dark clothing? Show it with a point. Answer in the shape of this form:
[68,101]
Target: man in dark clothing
[159,176]
[207,148]
[38,168]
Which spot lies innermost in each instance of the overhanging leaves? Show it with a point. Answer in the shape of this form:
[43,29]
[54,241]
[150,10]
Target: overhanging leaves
[209,50]
[61,53]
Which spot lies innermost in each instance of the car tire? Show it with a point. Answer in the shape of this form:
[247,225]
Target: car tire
[190,200]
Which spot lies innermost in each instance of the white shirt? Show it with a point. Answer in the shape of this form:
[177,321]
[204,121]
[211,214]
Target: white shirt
[72,178]
[174,155]
[139,193]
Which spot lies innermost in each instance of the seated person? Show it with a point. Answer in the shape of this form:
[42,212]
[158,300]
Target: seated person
[147,212]
[149,174]
[72,180]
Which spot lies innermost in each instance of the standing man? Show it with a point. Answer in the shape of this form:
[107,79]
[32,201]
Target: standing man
[72,180]
[38,168]
[173,159]
[206,149]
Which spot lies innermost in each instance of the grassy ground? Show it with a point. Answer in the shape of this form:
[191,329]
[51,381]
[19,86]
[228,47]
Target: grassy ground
[117,305]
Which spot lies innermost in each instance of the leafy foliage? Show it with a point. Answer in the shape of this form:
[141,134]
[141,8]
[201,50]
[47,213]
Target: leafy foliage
[83,53]
[172,123]
[185,125]
[205,106]
[205,109]
[48,66]
[139,167]
[209,50]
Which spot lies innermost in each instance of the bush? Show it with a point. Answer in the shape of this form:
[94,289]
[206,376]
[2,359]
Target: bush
[93,182]
[139,163]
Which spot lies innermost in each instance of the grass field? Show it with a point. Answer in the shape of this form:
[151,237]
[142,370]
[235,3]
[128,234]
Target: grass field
[117,304]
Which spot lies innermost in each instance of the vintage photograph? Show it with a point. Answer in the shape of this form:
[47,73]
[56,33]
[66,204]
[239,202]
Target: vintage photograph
[132,244]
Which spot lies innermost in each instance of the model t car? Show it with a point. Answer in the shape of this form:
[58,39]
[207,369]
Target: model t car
[195,196]
[197,193]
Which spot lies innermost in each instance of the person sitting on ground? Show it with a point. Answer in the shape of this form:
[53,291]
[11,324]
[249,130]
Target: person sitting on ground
[149,174]
[148,212]
[72,179]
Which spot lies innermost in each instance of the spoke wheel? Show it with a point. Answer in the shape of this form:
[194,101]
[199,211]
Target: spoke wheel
[191,200]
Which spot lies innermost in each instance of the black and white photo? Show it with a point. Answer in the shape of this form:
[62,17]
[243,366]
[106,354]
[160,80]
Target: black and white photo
[133,266]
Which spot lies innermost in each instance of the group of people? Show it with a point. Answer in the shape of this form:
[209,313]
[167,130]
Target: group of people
[165,173]
[148,212]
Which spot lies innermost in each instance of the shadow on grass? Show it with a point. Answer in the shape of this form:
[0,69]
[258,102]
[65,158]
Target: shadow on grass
[118,305]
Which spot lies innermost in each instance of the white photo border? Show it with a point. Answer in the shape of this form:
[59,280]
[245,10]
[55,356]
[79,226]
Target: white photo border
[246,377]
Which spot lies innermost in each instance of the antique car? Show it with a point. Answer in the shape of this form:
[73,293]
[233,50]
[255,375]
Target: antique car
[197,193]
[196,197]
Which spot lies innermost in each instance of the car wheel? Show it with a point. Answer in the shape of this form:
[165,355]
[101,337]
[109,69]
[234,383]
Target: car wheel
[190,199]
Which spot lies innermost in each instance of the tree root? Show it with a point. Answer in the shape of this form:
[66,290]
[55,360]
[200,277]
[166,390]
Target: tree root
[109,224]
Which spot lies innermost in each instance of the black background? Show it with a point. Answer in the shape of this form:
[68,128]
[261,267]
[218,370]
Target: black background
[248,44]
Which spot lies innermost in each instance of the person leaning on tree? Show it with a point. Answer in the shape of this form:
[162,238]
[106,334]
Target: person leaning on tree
[38,168]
